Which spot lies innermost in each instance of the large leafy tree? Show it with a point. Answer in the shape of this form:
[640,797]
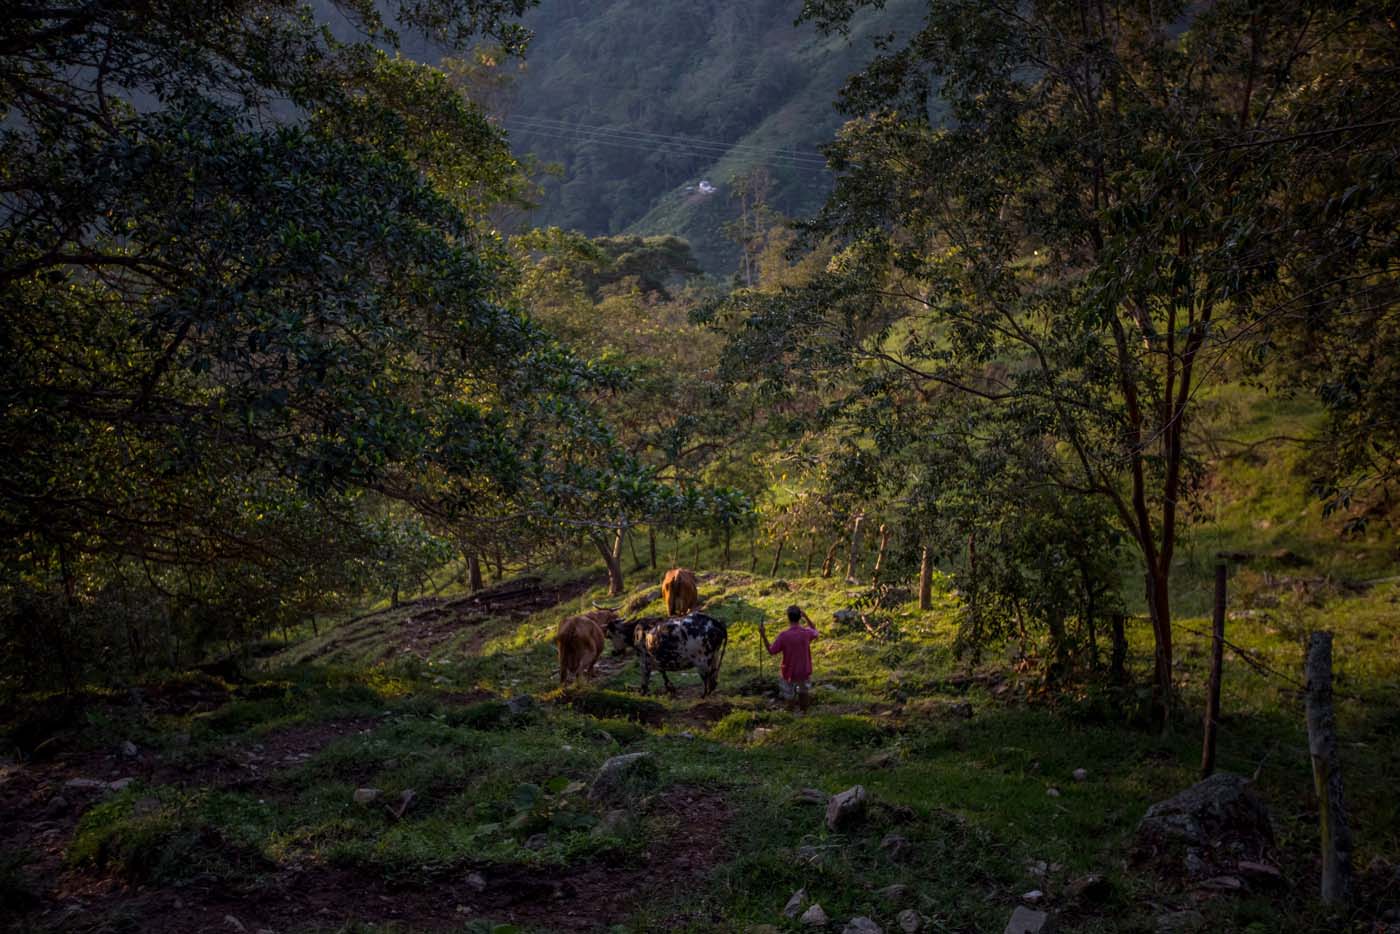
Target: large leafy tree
[249,293]
[1083,213]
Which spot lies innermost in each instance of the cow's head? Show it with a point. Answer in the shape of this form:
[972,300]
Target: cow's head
[626,634]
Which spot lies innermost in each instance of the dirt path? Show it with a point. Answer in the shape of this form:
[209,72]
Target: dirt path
[420,626]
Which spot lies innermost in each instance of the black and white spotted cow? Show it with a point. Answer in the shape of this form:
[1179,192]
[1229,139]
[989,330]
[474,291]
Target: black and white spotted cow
[692,641]
[623,633]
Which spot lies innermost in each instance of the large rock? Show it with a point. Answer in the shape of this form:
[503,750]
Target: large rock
[620,773]
[1205,830]
[909,921]
[796,903]
[814,917]
[846,808]
[861,925]
[1028,921]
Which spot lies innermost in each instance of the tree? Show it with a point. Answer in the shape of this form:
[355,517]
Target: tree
[248,299]
[1083,213]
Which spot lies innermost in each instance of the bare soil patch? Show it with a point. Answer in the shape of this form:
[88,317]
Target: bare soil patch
[419,626]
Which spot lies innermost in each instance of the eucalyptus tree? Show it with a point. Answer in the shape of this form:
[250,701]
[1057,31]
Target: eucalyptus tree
[1084,213]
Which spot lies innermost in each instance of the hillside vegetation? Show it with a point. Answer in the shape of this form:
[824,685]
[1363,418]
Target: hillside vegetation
[638,102]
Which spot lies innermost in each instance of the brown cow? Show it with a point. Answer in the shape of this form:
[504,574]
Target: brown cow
[580,643]
[678,591]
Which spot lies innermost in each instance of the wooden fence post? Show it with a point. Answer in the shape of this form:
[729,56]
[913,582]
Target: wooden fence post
[926,580]
[1217,656]
[1327,771]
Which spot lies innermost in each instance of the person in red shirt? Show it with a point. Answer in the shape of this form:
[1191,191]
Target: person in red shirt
[795,645]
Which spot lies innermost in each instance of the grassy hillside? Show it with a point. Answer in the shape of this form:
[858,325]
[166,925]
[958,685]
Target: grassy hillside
[483,818]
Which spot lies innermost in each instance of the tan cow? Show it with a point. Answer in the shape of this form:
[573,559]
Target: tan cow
[580,643]
[678,591]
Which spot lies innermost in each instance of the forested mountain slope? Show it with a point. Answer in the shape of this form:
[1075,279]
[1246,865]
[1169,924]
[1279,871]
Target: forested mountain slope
[618,92]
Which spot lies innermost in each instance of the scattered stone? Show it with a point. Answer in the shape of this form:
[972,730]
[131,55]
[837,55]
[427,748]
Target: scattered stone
[179,739]
[475,881]
[909,921]
[85,784]
[389,764]
[814,917]
[129,750]
[1224,884]
[366,795]
[846,617]
[895,845]
[883,760]
[809,796]
[1028,921]
[1091,888]
[686,734]
[1205,829]
[846,808]
[617,773]
[808,853]
[893,893]
[1081,775]
[120,784]
[1052,791]
[761,929]
[796,904]
[519,704]
[537,842]
[1033,896]
[1037,868]
[57,805]
[1261,873]
[231,921]
[1176,922]
[405,801]
[861,925]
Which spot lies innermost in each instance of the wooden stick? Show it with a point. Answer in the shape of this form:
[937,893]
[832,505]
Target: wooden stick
[1217,653]
[1327,771]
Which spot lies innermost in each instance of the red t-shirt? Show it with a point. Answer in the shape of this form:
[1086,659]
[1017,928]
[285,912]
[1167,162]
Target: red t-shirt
[795,645]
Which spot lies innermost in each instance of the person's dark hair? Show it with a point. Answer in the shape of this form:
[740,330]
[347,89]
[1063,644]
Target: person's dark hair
[794,614]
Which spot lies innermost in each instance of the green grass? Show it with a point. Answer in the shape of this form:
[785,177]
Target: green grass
[969,794]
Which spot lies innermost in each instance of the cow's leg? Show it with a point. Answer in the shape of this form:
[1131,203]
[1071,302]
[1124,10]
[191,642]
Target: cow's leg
[646,673]
[670,688]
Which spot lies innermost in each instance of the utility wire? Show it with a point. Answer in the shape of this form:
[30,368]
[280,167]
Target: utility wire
[546,123]
[652,143]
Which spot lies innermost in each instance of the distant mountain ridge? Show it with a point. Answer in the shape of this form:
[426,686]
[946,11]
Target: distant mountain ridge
[645,106]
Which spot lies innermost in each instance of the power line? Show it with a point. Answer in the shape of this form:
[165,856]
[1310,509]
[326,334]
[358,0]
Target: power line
[549,124]
[640,139]
[682,148]
[651,148]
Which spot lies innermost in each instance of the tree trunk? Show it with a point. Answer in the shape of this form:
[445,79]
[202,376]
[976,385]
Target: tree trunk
[1217,657]
[753,553]
[726,549]
[1117,673]
[612,560]
[853,558]
[778,557]
[1327,772]
[811,551]
[1159,606]
[830,558]
[926,580]
[880,555]
[474,572]
[500,567]
[637,562]
[651,542]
